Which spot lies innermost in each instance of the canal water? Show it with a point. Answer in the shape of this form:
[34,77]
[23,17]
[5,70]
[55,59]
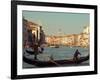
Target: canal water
[60,53]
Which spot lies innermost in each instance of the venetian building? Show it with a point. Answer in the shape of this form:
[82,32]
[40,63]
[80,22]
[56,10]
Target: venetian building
[25,32]
[48,39]
[85,35]
[79,39]
[35,28]
[31,32]
[86,30]
[65,40]
[75,40]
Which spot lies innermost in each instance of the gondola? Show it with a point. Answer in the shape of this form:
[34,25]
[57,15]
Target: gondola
[52,63]
[32,52]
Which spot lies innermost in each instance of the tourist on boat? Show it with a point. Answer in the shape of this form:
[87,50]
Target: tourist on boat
[41,48]
[36,51]
[76,56]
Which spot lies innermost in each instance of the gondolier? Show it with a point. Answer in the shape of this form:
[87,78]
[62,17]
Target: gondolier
[36,51]
[76,56]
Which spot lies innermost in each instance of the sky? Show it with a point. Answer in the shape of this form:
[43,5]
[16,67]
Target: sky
[59,23]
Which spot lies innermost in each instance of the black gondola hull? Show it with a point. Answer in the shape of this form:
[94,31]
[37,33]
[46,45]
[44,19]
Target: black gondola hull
[51,63]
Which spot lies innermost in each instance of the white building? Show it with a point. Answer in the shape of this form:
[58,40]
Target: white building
[86,30]
[85,36]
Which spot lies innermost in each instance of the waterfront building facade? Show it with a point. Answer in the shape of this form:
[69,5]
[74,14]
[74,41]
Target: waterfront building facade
[81,39]
[31,32]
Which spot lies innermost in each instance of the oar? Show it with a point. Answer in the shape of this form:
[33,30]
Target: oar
[55,63]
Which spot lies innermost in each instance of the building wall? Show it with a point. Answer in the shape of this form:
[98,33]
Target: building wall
[33,27]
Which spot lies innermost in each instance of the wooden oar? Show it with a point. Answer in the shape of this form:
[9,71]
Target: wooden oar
[55,63]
